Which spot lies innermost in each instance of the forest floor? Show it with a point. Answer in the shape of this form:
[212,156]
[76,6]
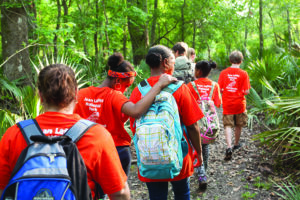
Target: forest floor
[248,175]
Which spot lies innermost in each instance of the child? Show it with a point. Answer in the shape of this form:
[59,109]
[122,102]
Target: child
[191,56]
[204,88]
[107,105]
[161,60]
[183,66]
[234,84]
[57,90]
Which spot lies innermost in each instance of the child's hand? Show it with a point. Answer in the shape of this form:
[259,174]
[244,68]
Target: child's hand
[199,159]
[165,80]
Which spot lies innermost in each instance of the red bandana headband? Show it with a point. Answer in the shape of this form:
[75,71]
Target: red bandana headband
[121,74]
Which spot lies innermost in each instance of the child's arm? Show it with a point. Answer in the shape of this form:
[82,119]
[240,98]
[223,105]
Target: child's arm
[138,109]
[217,96]
[246,84]
[194,135]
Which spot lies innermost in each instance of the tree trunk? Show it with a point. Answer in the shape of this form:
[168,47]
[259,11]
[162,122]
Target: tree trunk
[275,35]
[106,24]
[208,51]
[245,41]
[84,46]
[82,13]
[297,32]
[125,42]
[289,29]
[194,34]
[96,33]
[182,21]
[32,36]
[154,21]
[145,9]
[137,32]
[14,28]
[65,18]
[246,28]
[261,39]
[57,28]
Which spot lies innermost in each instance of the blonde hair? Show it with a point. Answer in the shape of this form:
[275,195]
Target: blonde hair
[190,52]
[236,57]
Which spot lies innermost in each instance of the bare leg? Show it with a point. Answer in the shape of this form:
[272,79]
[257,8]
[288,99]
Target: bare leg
[228,136]
[237,133]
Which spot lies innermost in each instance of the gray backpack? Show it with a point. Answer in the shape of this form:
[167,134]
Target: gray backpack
[183,69]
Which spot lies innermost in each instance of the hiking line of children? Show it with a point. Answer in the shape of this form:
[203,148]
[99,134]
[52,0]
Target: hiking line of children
[173,119]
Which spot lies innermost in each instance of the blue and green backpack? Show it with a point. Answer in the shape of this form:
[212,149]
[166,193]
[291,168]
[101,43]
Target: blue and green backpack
[159,141]
[49,168]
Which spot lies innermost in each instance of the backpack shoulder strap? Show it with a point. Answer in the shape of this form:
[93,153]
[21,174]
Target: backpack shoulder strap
[195,88]
[29,128]
[144,87]
[78,129]
[212,89]
[171,88]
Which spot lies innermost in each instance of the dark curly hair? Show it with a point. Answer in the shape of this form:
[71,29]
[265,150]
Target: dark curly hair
[117,63]
[57,85]
[156,55]
[205,67]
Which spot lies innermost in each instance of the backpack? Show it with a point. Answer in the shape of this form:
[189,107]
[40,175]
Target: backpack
[183,69]
[49,168]
[159,142]
[209,125]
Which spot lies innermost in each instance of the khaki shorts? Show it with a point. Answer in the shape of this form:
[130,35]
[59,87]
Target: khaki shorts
[235,120]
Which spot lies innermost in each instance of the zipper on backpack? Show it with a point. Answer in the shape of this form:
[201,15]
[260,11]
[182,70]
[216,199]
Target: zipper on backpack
[63,196]
[52,157]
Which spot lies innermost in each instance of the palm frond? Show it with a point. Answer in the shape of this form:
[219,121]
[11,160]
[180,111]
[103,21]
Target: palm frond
[9,86]
[290,191]
[280,138]
[7,119]
[63,59]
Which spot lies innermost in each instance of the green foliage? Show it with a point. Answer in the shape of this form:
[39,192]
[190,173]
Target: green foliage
[26,97]
[248,195]
[259,184]
[7,119]
[288,191]
[287,136]
[79,70]
[275,82]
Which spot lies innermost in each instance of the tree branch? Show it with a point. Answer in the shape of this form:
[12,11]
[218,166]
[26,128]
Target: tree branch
[157,40]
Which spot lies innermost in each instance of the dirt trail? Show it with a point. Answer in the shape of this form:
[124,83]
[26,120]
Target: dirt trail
[244,177]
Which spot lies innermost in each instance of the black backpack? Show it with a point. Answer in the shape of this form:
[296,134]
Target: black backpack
[50,167]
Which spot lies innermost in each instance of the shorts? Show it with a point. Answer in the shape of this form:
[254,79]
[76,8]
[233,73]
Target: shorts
[235,120]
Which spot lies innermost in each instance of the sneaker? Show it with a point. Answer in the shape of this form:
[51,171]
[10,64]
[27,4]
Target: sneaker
[236,147]
[202,183]
[228,154]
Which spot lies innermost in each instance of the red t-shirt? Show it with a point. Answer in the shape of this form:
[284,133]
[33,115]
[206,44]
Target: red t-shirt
[96,148]
[233,84]
[189,113]
[204,87]
[103,106]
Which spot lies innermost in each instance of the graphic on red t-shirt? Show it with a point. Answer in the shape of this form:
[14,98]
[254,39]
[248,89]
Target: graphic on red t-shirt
[234,82]
[104,106]
[96,148]
[204,86]
[95,106]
